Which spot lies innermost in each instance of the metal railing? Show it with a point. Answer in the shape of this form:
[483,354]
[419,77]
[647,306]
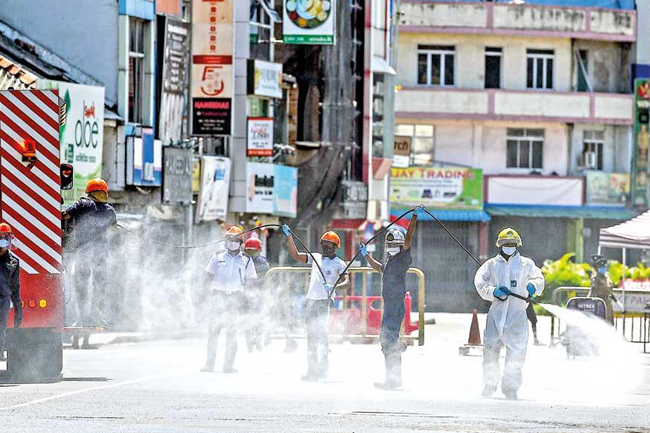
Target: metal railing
[365,271]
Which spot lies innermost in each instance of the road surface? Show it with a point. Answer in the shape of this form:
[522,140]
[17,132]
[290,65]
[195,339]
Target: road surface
[157,387]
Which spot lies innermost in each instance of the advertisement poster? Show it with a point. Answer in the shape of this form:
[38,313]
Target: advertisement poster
[285,189]
[607,188]
[451,188]
[264,79]
[215,187]
[639,187]
[174,58]
[212,67]
[259,187]
[260,136]
[309,22]
[271,189]
[82,133]
[402,151]
[177,176]
[144,160]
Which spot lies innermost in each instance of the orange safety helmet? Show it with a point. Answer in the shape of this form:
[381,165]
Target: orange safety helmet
[332,237]
[5,229]
[253,244]
[235,232]
[97,184]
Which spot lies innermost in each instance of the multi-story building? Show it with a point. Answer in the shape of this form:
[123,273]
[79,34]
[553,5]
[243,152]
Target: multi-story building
[537,96]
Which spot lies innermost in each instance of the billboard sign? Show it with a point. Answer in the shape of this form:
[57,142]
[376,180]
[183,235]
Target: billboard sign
[260,136]
[82,133]
[402,151]
[215,187]
[639,184]
[264,79]
[174,60]
[144,160]
[212,68]
[308,22]
[271,189]
[177,179]
[607,188]
[449,188]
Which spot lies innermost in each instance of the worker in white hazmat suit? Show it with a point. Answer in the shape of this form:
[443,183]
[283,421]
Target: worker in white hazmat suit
[500,280]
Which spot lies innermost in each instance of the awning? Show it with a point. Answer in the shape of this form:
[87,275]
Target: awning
[381,66]
[588,212]
[630,234]
[448,215]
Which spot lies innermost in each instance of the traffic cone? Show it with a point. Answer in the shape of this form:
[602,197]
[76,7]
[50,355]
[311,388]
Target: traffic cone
[474,333]
[474,340]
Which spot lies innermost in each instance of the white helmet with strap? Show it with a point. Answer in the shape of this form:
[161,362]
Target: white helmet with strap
[394,236]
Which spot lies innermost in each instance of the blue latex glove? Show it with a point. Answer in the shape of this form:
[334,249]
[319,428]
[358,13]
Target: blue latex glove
[531,289]
[502,293]
[418,211]
[329,288]
[363,249]
[286,230]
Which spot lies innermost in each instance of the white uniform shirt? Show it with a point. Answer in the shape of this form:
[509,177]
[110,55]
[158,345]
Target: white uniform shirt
[332,268]
[230,272]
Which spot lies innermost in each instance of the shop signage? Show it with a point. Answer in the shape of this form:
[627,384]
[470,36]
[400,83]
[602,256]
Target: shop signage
[177,176]
[450,188]
[215,187]
[607,188]
[144,160]
[82,134]
[639,184]
[260,136]
[264,79]
[271,189]
[402,151]
[212,67]
[309,22]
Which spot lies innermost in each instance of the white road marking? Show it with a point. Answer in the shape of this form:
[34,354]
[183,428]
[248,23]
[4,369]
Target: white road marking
[81,391]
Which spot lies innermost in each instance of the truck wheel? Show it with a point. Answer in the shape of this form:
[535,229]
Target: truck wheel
[34,355]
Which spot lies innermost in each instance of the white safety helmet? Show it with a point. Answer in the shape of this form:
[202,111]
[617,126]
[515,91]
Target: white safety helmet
[395,237]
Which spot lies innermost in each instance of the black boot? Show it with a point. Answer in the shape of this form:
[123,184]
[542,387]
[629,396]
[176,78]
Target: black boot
[393,372]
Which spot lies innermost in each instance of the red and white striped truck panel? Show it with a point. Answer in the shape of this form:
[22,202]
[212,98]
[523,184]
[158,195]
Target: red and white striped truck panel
[31,198]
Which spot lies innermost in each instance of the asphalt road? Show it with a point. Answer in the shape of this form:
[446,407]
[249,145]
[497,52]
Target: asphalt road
[157,387]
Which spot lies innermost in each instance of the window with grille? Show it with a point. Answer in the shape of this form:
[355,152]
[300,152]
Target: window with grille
[525,148]
[436,65]
[592,149]
[539,69]
[493,67]
[136,69]
[421,138]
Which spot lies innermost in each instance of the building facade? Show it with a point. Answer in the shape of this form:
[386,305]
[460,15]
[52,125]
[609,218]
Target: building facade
[536,96]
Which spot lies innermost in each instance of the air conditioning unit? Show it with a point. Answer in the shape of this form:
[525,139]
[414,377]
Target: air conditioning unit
[589,160]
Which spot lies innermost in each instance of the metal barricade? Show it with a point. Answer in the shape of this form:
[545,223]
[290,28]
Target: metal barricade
[634,321]
[347,301]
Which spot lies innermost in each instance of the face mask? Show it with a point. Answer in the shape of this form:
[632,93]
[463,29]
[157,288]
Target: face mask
[392,250]
[4,243]
[602,270]
[508,251]
[328,250]
[233,246]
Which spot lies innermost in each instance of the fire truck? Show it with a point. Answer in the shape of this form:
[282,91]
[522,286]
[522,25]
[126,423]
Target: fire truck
[31,179]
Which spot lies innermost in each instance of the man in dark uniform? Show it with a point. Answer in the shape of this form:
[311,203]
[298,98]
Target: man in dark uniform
[393,273]
[91,218]
[601,286]
[9,285]
[256,301]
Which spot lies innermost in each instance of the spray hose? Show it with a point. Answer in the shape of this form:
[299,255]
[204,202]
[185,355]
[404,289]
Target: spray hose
[329,295]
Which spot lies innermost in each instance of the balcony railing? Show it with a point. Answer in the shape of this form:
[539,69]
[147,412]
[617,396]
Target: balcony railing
[518,105]
[523,19]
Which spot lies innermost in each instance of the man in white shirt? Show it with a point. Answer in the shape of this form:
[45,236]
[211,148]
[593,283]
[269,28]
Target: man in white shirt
[325,273]
[227,274]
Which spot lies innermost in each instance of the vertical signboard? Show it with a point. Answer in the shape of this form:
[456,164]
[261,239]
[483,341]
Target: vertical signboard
[271,189]
[212,67]
[144,160]
[264,79]
[285,191]
[639,184]
[215,185]
[82,133]
[308,22]
[177,176]
[173,70]
[260,136]
[402,151]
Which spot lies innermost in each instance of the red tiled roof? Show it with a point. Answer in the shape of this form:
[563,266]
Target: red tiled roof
[7,67]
